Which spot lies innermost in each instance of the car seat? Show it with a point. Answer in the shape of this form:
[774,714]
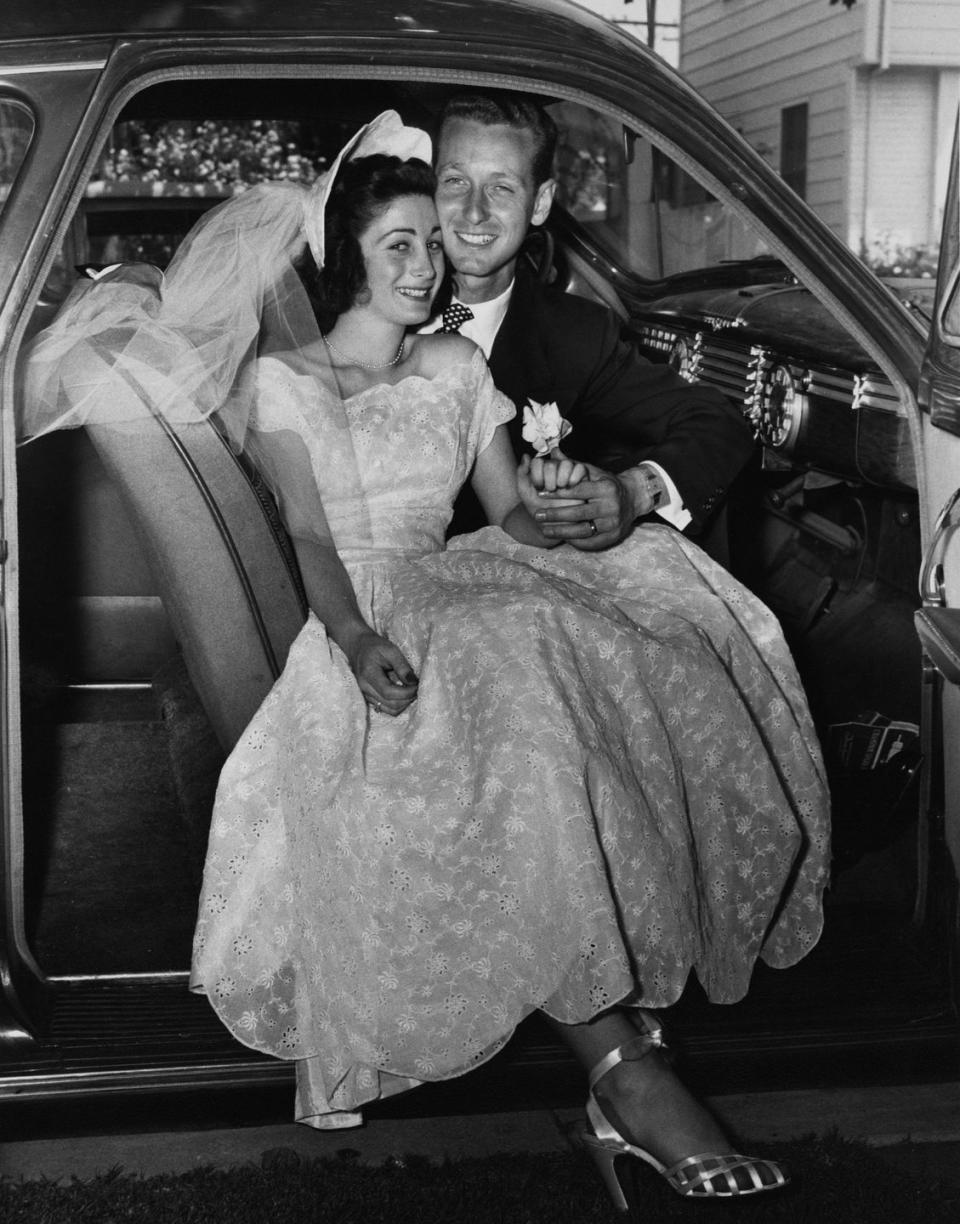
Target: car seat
[223,564]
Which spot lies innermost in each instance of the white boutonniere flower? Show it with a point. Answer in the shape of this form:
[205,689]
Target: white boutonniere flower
[544,427]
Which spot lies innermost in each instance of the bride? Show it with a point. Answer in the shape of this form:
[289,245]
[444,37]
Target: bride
[495,776]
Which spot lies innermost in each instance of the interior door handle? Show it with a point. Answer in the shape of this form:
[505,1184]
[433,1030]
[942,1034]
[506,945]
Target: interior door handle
[932,592]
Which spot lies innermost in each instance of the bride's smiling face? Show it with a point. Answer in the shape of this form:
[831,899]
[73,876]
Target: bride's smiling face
[403,259]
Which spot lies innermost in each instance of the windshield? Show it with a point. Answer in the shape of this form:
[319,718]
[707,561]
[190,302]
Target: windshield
[637,204]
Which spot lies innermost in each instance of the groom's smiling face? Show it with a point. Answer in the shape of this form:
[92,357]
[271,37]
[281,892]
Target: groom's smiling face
[487,200]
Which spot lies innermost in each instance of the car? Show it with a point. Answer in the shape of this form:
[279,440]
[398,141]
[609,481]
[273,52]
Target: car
[149,597]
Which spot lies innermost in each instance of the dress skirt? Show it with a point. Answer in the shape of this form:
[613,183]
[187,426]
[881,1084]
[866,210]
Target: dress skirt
[609,780]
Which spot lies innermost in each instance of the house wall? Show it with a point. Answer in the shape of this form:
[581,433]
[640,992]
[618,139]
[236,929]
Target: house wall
[899,162]
[881,80]
[753,58]
[916,32]
[893,210]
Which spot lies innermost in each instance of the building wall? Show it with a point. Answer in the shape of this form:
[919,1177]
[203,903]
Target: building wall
[916,32]
[881,82]
[753,58]
[897,174]
[897,197]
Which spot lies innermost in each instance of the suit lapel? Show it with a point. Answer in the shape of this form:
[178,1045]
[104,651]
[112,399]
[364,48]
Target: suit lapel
[517,360]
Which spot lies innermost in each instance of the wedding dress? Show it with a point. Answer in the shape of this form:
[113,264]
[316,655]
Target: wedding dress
[609,778]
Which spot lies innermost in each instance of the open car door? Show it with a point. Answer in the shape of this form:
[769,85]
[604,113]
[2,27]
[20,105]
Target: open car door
[938,620]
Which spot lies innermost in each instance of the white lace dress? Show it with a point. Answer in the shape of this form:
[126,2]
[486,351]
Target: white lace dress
[609,778]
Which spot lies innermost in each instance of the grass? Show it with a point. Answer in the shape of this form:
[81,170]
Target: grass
[836,1182]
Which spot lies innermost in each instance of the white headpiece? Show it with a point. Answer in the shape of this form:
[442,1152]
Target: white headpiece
[385,134]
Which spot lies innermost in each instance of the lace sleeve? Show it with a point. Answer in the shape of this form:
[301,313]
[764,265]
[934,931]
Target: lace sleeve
[278,396]
[490,406]
[278,443]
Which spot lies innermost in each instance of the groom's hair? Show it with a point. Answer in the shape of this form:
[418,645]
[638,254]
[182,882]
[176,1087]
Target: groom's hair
[364,188]
[515,110]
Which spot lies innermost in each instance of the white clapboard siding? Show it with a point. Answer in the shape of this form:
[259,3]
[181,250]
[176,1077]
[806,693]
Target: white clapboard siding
[899,157]
[923,32]
[874,78]
[721,39]
[753,58]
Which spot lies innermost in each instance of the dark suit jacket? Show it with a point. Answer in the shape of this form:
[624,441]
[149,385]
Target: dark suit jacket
[554,346]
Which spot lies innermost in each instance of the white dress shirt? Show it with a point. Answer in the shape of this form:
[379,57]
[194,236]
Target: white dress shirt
[483,327]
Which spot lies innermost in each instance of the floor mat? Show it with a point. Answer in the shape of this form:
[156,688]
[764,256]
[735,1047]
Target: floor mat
[110,882]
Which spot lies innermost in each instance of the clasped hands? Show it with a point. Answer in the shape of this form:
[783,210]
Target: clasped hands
[603,513]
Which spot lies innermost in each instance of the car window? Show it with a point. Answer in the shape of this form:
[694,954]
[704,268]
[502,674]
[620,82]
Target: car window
[640,206]
[154,178]
[16,131]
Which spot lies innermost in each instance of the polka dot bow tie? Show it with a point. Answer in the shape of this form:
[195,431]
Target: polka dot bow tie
[455,316]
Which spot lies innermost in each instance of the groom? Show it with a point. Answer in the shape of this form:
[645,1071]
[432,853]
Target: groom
[655,443]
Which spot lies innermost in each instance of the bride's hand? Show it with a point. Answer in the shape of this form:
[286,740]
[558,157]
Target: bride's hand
[544,478]
[386,679]
[554,473]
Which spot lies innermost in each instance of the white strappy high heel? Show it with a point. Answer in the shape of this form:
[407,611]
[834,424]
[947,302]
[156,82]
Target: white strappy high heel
[702,1176]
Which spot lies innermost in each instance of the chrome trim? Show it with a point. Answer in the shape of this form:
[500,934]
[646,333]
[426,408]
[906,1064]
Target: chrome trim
[165,975]
[933,592]
[661,339]
[876,391]
[33,69]
[126,686]
[259,1069]
[831,385]
[726,367]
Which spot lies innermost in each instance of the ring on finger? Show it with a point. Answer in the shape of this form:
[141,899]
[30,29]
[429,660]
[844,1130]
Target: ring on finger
[593,527]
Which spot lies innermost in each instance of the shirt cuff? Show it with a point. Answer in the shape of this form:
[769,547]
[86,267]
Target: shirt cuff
[673,509]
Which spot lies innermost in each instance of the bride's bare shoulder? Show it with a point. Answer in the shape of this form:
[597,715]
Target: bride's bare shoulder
[437,352]
[304,360]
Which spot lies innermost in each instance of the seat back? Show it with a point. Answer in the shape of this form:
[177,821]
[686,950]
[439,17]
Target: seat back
[224,567]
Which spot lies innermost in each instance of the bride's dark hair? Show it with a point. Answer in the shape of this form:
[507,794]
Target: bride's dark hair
[363,189]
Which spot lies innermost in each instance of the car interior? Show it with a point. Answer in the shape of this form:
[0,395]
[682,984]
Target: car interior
[159,595]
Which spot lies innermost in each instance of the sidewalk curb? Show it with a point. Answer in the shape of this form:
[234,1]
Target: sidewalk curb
[925,1114]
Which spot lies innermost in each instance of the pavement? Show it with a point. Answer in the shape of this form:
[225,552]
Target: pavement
[915,1126]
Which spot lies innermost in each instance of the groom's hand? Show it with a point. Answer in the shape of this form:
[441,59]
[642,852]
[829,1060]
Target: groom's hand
[608,508]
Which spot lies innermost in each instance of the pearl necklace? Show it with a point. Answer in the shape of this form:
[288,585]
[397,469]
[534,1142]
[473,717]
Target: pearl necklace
[365,364]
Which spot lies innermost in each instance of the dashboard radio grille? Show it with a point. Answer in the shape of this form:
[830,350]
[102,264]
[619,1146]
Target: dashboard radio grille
[726,367]
[875,391]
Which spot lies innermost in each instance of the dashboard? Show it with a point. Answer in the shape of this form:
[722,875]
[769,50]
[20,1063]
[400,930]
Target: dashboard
[812,396]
